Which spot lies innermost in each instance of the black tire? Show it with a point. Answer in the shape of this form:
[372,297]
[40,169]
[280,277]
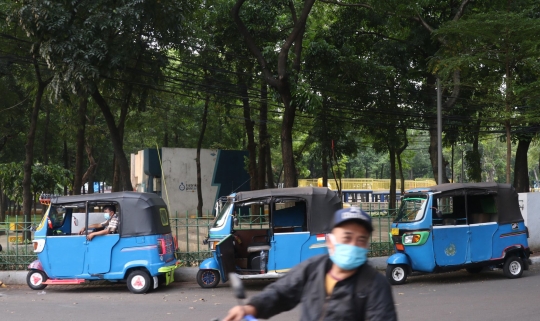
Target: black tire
[397,273]
[35,279]
[139,282]
[208,278]
[513,267]
[475,270]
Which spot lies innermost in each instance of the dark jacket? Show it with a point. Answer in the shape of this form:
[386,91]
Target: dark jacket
[305,283]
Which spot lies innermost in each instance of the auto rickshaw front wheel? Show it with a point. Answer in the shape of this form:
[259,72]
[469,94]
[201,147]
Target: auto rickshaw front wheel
[208,278]
[513,267]
[397,273]
[35,279]
[139,282]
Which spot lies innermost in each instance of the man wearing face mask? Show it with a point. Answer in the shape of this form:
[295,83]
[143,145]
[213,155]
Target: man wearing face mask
[338,286]
[109,226]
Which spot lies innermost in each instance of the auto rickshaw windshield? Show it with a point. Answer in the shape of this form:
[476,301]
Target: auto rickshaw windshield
[222,216]
[412,208]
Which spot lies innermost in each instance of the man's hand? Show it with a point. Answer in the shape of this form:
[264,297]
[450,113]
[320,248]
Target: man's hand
[240,311]
[81,232]
[90,236]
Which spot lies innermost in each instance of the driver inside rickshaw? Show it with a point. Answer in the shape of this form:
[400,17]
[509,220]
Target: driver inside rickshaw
[109,226]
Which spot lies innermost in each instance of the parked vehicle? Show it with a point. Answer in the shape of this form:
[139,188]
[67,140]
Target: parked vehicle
[142,253]
[263,233]
[454,226]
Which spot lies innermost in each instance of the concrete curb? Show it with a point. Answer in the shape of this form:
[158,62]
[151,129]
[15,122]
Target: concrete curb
[185,274]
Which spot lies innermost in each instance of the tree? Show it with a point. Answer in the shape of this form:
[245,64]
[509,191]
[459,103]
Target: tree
[282,78]
[88,43]
[502,43]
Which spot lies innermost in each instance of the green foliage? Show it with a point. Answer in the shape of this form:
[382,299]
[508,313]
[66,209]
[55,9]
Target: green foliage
[45,178]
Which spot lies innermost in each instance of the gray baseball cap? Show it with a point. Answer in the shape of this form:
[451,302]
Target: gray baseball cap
[352,213]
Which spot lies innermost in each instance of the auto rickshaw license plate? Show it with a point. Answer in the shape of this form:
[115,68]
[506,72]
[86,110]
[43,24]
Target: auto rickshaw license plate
[395,231]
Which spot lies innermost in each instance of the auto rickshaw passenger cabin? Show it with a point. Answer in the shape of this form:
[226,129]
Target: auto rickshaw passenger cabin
[262,233]
[139,213]
[475,203]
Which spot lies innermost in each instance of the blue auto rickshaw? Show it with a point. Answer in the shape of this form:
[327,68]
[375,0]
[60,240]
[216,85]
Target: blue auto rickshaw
[454,226]
[142,253]
[262,234]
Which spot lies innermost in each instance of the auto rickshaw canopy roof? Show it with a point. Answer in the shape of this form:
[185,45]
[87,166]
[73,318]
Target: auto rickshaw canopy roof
[506,197]
[139,212]
[321,203]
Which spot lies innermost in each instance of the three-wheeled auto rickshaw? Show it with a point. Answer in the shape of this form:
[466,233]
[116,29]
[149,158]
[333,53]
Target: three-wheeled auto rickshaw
[261,234]
[142,253]
[454,226]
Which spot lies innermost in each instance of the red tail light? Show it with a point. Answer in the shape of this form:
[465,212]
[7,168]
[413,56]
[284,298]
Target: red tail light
[162,249]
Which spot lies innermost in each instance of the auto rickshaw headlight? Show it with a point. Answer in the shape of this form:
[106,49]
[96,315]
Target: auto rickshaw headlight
[38,245]
[411,238]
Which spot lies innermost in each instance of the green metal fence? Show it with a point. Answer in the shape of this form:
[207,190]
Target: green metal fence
[16,242]
[190,233]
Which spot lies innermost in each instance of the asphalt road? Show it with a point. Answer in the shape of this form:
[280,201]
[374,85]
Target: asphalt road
[449,296]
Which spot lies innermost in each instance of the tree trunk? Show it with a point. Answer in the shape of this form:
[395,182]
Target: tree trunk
[263,136]
[65,156]
[28,198]
[269,171]
[3,204]
[521,168]
[117,141]
[392,200]
[198,159]
[508,150]
[250,132]
[116,176]
[474,166]
[46,136]
[289,168]
[79,158]
[401,176]
[324,165]
[89,174]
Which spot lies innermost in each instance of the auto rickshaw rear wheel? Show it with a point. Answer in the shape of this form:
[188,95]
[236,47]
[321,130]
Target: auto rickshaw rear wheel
[208,278]
[397,273]
[139,282]
[513,267]
[35,279]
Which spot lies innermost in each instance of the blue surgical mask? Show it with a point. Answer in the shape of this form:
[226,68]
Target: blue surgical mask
[107,216]
[348,257]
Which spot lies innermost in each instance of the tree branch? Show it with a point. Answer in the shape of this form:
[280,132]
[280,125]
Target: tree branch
[235,11]
[339,3]
[299,29]
[293,12]
[455,92]
[461,10]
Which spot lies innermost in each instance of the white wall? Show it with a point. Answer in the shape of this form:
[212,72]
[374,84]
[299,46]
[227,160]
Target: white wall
[180,183]
[138,177]
[530,208]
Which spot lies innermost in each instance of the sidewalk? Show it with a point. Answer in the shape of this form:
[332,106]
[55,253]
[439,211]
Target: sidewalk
[189,274]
